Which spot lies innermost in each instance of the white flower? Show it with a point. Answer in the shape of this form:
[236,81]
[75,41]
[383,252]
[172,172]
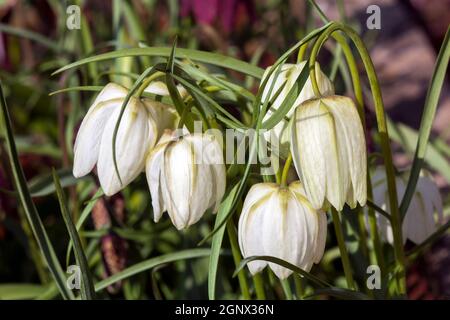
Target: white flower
[186,177]
[424,213]
[287,76]
[139,129]
[280,222]
[329,152]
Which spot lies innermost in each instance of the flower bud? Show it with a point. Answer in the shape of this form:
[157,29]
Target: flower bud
[186,177]
[287,76]
[329,152]
[280,222]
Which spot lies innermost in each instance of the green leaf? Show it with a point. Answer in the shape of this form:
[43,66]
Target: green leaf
[44,185]
[87,286]
[30,35]
[196,55]
[151,263]
[428,115]
[217,239]
[78,88]
[21,291]
[288,102]
[30,210]
[319,282]
[407,138]
[83,217]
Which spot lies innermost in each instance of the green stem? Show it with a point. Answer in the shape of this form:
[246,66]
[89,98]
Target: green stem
[259,287]
[286,167]
[286,289]
[146,82]
[343,249]
[384,138]
[299,290]
[237,259]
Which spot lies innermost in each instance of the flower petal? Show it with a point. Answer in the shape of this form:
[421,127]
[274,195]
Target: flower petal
[134,138]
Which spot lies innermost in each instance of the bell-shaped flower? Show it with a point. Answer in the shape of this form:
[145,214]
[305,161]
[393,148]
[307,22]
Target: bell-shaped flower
[424,213]
[137,134]
[284,82]
[329,152]
[87,142]
[186,177]
[280,222]
[141,125]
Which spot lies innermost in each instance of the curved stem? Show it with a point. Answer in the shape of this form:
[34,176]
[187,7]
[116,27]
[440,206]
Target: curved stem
[384,137]
[286,167]
[147,81]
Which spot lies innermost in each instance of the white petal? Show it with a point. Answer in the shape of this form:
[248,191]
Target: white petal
[165,116]
[251,223]
[160,88]
[134,138]
[153,174]
[315,154]
[352,145]
[88,138]
[176,176]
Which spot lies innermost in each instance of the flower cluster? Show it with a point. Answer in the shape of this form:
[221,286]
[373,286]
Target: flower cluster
[178,169]
[186,173]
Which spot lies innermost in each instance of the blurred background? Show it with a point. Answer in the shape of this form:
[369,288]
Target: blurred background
[35,41]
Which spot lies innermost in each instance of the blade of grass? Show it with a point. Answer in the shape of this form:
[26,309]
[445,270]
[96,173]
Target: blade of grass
[428,115]
[196,55]
[151,263]
[30,209]
[319,282]
[87,286]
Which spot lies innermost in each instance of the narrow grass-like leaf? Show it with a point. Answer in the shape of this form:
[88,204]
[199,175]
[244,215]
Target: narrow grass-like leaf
[44,185]
[407,138]
[22,33]
[78,88]
[196,55]
[30,209]
[87,285]
[319,282]
[429,112]
[288,102]
[83,217]
[151,263]
[21,291]
[217,239]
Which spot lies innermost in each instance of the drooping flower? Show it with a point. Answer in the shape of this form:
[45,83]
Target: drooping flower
[424,213]
[186,176]
[285,81]
[140,127]
[280,222]
[329,152]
